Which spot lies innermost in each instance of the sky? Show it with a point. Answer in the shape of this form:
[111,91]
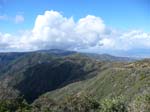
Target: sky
[118,27]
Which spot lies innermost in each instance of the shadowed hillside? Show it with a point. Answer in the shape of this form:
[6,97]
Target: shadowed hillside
[52,80]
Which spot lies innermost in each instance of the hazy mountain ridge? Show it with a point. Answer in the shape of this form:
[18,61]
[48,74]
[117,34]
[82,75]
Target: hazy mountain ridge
[107,57]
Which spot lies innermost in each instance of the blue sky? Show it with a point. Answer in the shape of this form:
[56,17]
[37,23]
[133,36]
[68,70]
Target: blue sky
[121,15]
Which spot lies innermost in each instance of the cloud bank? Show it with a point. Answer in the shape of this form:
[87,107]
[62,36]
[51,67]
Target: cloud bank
[53,30]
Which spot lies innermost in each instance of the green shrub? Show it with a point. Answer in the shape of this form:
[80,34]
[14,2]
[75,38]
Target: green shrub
[113,105]
[80,103]
[14,105]
[140,104]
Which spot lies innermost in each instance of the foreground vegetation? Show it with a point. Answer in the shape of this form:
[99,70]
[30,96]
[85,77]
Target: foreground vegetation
[79,103]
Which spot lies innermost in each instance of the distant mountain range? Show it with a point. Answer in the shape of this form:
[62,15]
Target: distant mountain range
[42,76]
[107,57]
[7,57]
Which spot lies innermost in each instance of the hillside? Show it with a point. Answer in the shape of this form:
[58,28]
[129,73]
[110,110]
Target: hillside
[128,80]
[50,77]
[5,58]
[55,71]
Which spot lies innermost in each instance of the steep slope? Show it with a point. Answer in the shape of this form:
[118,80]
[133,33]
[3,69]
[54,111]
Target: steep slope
[50,76]
[126,79]
[36,73]
[45,76]
[6,58]
[12,73]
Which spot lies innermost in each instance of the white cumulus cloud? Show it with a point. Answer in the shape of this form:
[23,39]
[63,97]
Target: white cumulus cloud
[53,30]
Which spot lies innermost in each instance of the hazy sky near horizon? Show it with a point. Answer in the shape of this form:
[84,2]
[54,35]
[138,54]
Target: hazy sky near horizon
[119,27]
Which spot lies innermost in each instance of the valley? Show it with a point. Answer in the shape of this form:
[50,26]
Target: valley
[62,81]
